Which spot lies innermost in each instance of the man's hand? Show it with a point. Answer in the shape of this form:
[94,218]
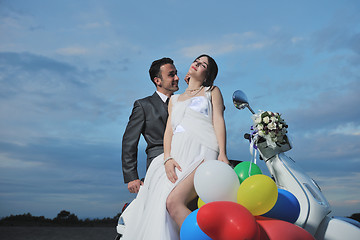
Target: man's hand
[170,166]
[134,186]
[187,78]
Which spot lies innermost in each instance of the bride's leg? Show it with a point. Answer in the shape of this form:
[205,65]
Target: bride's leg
[178,199]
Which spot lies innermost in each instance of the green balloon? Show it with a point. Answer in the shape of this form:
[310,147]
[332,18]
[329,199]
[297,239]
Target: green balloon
[242,170]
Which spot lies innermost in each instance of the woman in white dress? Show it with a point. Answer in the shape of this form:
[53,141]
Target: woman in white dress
[195,132]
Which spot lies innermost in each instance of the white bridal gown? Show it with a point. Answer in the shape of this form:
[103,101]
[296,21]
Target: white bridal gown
[194,140]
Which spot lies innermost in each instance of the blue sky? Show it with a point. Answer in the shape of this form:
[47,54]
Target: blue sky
[70,71]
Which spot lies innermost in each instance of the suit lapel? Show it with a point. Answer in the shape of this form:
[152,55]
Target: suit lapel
[160,106]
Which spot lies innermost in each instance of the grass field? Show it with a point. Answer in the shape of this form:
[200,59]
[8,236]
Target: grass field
[57,233]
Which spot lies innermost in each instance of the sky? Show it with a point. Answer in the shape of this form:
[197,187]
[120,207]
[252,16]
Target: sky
[71,70]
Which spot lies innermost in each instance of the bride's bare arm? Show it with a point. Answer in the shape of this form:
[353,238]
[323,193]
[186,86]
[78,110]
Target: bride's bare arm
[219,123]
[169,162]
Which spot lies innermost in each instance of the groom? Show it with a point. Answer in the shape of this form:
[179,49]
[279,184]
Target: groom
[148,118]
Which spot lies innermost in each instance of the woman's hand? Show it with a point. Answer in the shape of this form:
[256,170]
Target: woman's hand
[170,166]
[223,158]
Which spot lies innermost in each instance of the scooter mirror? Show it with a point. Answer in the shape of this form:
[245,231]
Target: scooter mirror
[240,101]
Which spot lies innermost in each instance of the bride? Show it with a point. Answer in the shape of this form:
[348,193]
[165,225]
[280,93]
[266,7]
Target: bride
[195,132]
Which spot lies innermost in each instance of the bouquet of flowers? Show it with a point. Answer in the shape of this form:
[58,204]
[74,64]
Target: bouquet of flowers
[271,127]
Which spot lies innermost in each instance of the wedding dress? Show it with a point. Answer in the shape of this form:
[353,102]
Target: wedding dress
[194,140]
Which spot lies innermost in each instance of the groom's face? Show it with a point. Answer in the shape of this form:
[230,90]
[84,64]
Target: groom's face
[169,79]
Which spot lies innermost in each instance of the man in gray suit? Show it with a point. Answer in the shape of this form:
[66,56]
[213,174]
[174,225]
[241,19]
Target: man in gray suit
[148,118]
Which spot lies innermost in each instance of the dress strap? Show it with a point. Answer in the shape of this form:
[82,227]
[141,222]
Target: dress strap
[208,93]
[208,97]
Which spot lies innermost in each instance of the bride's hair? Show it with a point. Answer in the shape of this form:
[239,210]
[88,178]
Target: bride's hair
[212,71]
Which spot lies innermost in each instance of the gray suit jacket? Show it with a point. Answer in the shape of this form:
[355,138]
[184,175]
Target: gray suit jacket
[148,118]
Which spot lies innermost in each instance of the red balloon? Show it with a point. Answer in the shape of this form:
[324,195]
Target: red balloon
[224,220]
[274,229]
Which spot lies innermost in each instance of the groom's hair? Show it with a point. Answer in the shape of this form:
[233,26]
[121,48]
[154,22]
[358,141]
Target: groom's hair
[154,70]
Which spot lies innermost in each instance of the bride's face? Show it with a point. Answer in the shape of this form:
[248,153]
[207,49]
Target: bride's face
[199,67]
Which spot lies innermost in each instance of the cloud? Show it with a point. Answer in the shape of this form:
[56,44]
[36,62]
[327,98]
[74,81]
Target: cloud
[339,39]
[43,97]
[296,40]
[227,44]
[332,109]
[95,25]
[78,175]
[335,38]
[72,51]
[277,47]
[341,191]
[60,146]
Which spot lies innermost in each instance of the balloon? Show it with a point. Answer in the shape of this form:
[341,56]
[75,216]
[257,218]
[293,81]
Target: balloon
[216,181]
[242,170]
[287,207]
[274,229]
[225,220]
[190,229]
[258,194]
[200,203]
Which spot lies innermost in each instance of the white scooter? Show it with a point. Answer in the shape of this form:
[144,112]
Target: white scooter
[314,208]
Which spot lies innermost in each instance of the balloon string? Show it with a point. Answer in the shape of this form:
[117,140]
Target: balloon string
[253,152]
[255,156]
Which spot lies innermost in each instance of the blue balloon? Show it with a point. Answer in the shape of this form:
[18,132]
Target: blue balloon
[190,229]
[287,207]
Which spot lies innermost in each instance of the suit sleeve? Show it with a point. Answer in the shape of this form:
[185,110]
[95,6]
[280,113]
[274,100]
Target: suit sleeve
[130,143]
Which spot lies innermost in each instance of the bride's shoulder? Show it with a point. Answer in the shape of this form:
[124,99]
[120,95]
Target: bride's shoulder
[214,89]
[174,97]
[216,93]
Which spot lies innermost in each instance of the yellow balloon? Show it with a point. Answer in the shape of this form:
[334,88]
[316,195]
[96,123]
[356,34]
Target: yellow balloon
[257,193]
[200,203]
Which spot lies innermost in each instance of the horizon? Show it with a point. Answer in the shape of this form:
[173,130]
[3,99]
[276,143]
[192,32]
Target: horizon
[94,218]
[28,213]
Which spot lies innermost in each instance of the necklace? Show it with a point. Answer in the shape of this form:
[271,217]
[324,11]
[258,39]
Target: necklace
[193,92]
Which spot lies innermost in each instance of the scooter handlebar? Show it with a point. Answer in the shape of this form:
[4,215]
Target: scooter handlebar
[247,136]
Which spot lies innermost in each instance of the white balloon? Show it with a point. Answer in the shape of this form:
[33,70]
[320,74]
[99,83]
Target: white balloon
[216,181]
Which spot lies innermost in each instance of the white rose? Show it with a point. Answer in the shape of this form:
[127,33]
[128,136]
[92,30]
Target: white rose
[260,127]
[261,133]
[266,120]
[273,119]
[271,126]
[280,125]
[258,120]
